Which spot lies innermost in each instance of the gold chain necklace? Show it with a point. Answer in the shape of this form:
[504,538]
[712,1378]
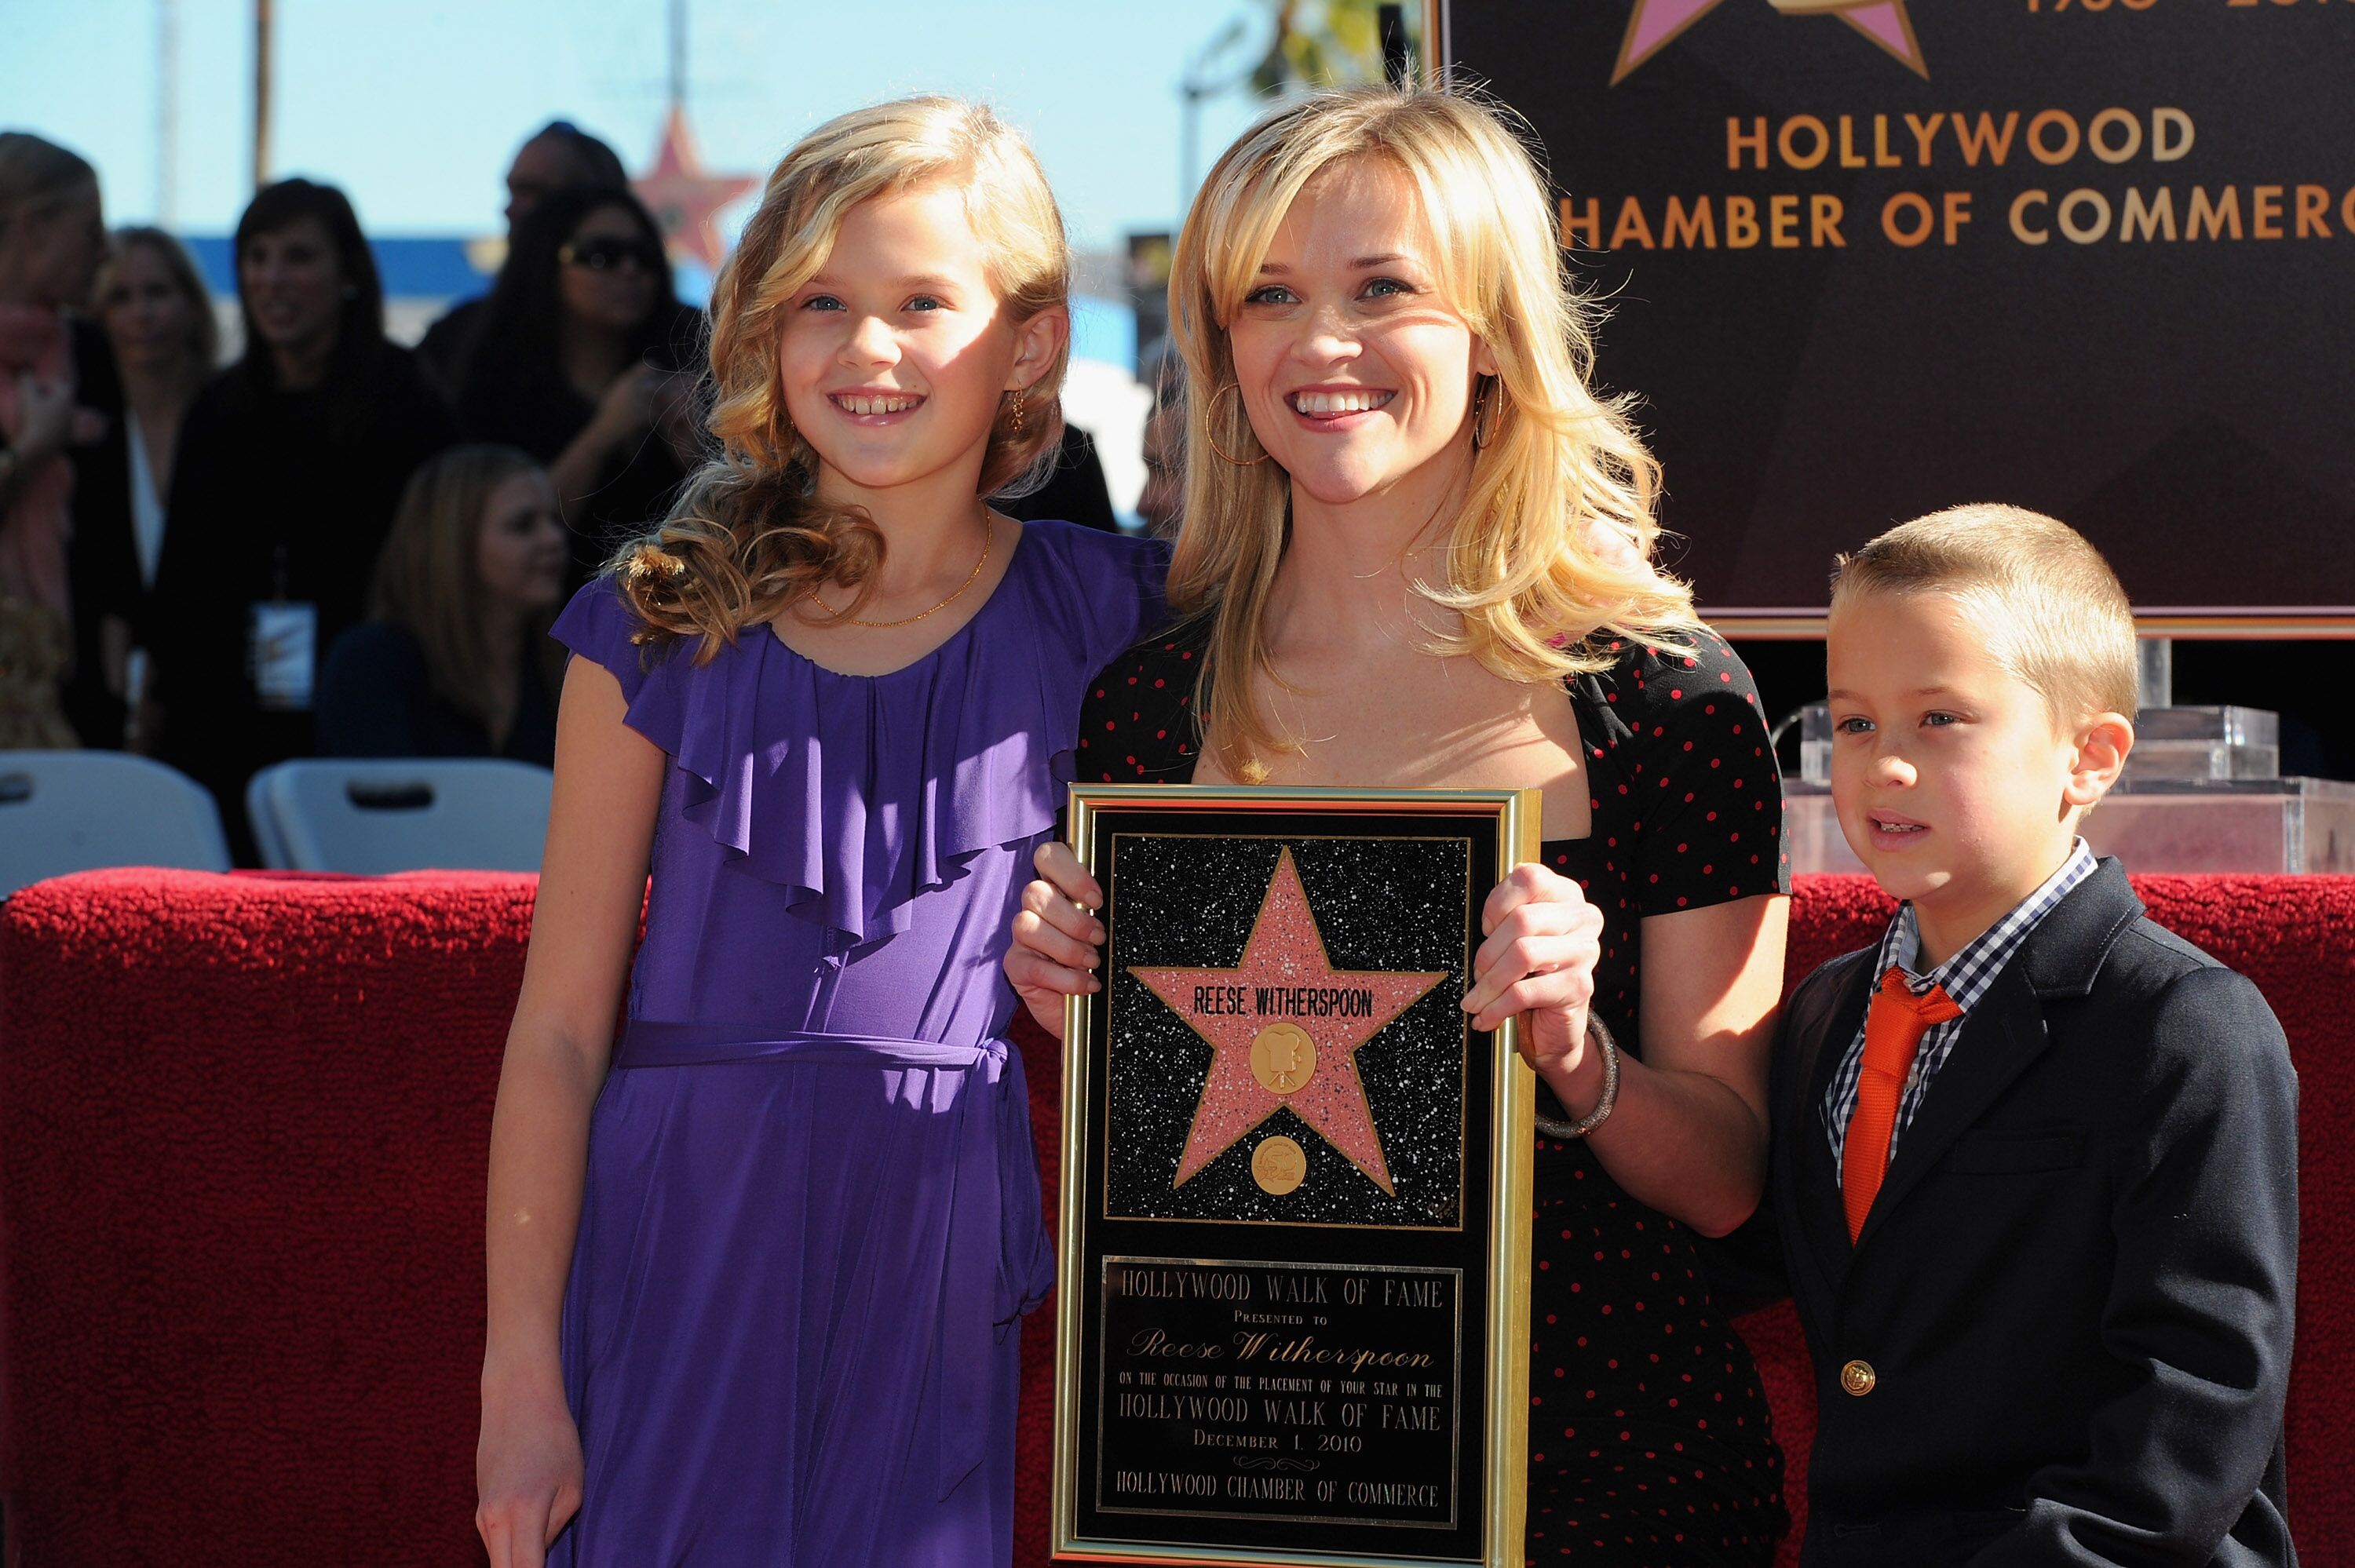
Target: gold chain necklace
[970,578]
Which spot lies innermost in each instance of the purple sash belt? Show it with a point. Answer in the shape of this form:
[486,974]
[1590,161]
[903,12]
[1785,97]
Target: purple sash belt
[983,1187]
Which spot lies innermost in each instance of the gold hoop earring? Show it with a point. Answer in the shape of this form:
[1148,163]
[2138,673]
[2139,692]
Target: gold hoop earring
[1015,423]
[1210,418]
[1482,437]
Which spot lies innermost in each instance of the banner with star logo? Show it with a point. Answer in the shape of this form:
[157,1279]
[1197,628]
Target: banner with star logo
[1295,1183]
[1865,260]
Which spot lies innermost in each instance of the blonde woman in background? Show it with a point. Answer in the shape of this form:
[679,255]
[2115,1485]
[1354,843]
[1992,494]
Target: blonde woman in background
[157,314]
[158,317]
[1415,553]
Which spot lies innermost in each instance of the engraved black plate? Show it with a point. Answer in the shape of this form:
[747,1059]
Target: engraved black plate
[1310,1394]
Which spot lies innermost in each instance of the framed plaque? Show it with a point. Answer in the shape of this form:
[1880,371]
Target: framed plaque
[1294,1317]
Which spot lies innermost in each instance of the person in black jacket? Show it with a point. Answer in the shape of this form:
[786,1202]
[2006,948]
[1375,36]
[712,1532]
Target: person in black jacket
[558,155]
[455,658]
[585,358]
[2035,1159]
[287,472]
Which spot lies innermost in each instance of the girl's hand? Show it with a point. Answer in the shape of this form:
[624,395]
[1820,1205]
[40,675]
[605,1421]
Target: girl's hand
[1056,938]
[528,1472]
[1543,939]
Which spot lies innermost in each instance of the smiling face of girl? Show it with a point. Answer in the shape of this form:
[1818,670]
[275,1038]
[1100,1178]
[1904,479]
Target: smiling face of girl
[1355,368]
[521,552]
[895,354]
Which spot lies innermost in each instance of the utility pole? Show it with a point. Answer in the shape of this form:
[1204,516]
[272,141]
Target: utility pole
[1207,75]
[168,111]
[678,54]
[261,93]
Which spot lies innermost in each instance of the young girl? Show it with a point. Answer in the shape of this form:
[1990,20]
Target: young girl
[1413,553]
[761,1306]
[455,658]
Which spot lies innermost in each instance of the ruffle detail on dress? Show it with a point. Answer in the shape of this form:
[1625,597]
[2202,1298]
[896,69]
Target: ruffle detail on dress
[861,792]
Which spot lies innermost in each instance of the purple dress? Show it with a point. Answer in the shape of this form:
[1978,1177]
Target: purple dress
[811,1221]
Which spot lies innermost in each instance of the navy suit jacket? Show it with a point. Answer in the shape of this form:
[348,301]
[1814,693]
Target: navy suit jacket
[2074,1289]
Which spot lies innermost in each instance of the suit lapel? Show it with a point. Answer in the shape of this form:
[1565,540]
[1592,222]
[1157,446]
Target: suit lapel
[1822,1228]
[2005,1033]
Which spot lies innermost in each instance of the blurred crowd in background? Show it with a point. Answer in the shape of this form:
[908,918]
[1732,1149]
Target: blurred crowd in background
[334,544]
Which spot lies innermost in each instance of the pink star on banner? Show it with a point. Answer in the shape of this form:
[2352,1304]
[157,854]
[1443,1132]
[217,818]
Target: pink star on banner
[1657,22]
[684,199]
[1286,988]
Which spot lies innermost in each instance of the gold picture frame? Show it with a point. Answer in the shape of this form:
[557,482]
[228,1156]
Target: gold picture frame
[1102,1242]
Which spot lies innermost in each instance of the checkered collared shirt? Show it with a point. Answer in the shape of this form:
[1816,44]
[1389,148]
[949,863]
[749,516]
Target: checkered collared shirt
[1967,976]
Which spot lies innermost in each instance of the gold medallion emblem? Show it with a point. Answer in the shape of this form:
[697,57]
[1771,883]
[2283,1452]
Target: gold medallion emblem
[1283,1058]
[1279,1165]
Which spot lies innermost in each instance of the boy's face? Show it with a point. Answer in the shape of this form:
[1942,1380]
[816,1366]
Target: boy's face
[1953,783]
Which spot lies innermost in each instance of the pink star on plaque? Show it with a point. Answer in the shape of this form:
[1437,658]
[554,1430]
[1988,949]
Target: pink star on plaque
[1657,22]
[1283,1026]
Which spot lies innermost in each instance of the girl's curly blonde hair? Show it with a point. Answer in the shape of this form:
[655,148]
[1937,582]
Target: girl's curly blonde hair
[748,537]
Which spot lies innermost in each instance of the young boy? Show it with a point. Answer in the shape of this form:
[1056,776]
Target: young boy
[2034,1158]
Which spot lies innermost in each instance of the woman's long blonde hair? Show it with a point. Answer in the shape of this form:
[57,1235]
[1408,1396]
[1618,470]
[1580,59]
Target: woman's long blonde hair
[1558,471]
[201,347]
[748,537]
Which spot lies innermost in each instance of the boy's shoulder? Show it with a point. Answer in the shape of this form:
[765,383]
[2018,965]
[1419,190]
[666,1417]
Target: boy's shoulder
[1813,1013]
[2161,998]
[2148,954]
[1826,982]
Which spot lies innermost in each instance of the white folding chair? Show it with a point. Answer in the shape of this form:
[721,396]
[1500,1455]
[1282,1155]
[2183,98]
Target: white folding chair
[368,816]
[80,810]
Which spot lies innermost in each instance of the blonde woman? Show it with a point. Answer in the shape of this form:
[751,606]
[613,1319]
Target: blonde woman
[1414,553]
[762,1304]
[158,317]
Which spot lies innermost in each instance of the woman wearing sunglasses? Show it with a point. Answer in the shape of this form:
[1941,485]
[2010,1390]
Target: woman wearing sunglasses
[582,359]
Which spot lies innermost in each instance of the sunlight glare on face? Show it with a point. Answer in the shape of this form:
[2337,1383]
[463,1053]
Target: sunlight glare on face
[894,355]
[1356,370]
[1948,770]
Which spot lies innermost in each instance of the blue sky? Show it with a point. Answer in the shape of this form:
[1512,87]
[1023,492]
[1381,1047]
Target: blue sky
[414,107]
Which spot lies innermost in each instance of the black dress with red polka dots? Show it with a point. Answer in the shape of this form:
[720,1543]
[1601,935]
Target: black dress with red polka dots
[1649,1441]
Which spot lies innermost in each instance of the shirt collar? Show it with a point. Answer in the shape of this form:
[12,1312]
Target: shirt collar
[1971,971]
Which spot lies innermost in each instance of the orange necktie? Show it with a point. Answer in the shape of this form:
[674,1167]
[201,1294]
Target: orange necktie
[1892,1032]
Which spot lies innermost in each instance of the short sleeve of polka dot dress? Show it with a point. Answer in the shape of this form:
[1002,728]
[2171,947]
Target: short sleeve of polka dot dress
[1649,1442]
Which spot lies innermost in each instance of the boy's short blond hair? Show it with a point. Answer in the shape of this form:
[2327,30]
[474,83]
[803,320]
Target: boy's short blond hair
[2051,607]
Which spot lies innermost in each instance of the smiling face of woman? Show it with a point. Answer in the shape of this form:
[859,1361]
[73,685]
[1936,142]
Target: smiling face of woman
[146,316]
[293,284]
[1355,368]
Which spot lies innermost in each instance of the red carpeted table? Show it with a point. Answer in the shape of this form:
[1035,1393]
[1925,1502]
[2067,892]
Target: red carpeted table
[243,1125]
